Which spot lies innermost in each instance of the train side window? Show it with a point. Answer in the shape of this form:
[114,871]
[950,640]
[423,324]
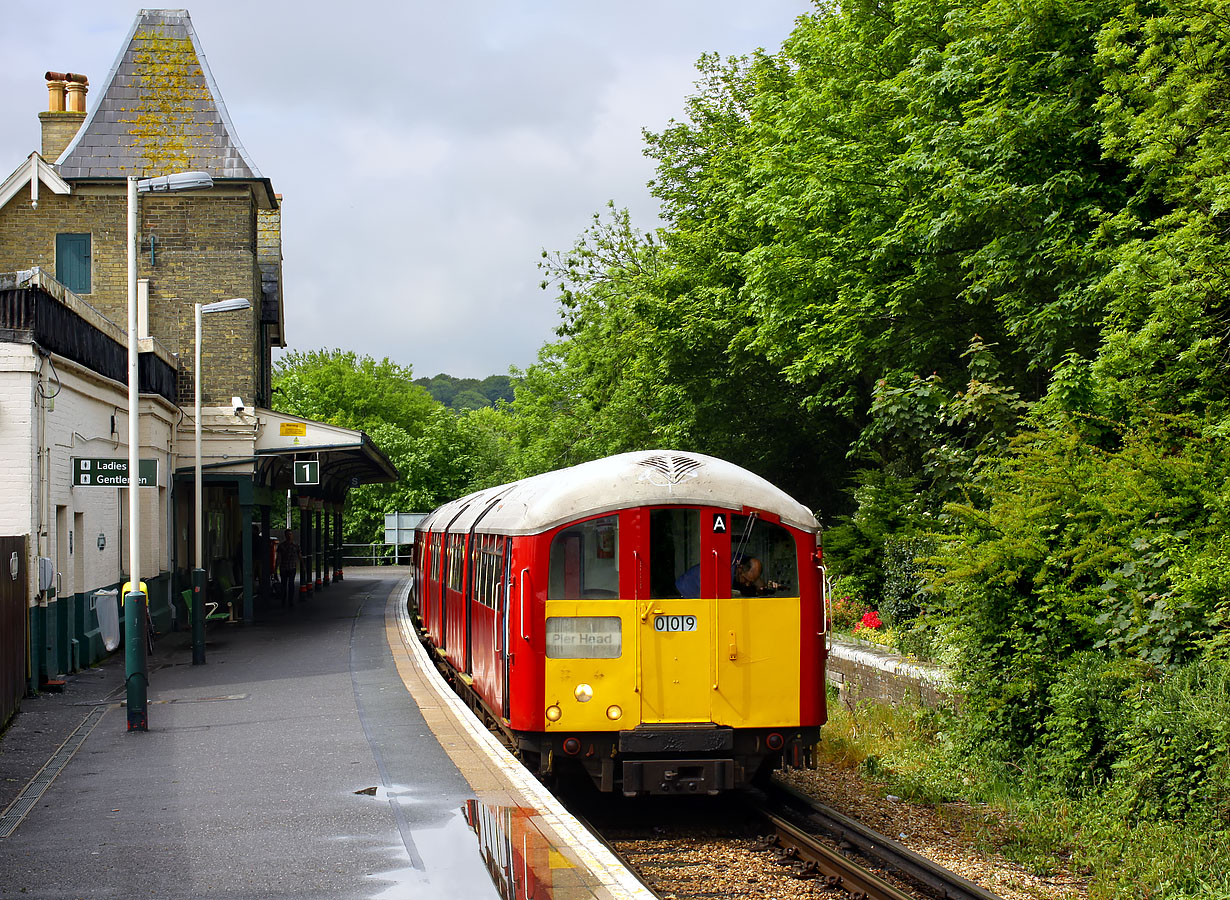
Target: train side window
[487,560]
[585,561]
[753,538]
[437,555]
[456,560]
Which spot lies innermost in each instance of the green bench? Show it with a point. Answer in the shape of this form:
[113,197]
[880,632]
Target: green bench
[211,608]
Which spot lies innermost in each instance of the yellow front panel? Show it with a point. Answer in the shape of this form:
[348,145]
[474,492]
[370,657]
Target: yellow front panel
[739,667]
[677,669]
[612,680]
[757,661]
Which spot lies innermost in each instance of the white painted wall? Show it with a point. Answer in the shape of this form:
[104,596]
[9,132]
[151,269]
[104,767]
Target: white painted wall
[52,410]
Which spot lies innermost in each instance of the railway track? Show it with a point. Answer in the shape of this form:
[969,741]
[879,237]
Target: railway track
[801,820]
[770,843]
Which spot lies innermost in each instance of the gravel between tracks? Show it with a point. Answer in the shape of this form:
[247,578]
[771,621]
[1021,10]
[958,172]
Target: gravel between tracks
[953,835]
[722,861]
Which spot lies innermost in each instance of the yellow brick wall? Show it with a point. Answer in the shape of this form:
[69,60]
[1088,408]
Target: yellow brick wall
[205,249]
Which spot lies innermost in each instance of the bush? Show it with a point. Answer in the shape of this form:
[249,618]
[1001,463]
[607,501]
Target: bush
[847,612]
[1091,702]
[1176,763]
[903,582]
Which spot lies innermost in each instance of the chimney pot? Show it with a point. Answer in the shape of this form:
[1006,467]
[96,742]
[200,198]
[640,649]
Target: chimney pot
[65,76]
[55,94]
[76,95]
[62,119]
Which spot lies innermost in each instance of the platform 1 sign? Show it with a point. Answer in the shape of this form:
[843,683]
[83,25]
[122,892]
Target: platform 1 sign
[112,472]
[307,471]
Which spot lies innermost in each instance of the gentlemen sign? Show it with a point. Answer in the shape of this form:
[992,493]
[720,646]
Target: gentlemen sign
[112,472]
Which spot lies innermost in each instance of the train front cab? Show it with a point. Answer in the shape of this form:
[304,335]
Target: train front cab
[655,692]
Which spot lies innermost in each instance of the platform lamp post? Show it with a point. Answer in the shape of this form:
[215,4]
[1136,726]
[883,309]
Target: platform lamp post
[136,666]
[198,573]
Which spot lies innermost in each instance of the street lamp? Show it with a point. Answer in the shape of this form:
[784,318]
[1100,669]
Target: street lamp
[136,671]
[198,573]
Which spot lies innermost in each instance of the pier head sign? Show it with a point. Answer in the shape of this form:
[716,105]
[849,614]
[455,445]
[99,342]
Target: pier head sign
[112,472]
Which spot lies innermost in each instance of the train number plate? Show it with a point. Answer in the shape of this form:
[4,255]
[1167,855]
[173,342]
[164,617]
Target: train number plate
[674,623]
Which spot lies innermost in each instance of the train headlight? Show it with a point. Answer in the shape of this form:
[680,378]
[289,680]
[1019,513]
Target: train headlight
[613,712]
[584,693]
[553,713]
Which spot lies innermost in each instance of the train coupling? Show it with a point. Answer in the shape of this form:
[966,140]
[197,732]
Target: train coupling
[696,776]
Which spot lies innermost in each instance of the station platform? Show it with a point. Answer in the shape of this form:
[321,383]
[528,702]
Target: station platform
[315,754]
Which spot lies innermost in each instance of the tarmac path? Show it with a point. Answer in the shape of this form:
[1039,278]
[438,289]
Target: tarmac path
[294,763]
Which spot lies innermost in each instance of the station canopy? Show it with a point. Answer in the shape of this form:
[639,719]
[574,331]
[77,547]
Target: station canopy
[345,458]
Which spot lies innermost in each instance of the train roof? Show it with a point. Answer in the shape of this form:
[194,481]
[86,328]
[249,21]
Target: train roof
[642,478]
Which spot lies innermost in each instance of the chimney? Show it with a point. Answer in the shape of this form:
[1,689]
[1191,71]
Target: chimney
[61,124]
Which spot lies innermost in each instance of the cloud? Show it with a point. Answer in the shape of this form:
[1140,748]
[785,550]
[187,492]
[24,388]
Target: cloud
[427,153]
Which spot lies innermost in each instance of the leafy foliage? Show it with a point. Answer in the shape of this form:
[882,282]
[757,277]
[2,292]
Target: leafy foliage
[460,394]
[420,437]
[1177,759]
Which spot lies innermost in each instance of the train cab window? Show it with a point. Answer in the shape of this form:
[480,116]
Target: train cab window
[585,561]
[674,552]
[773,548]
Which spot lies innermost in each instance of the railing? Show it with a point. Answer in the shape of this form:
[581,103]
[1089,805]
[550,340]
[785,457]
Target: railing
[376,553]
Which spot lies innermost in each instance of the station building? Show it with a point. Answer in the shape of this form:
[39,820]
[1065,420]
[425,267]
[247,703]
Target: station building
[64,303]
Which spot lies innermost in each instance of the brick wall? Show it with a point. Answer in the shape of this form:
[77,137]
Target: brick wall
[59,129]
[205,249]
[868,672]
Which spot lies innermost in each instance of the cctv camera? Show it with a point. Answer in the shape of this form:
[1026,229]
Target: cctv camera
[237,402]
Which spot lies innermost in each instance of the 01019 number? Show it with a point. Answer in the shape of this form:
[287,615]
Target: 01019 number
[674,623]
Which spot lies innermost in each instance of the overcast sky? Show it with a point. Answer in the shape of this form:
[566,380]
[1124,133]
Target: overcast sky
[426,153]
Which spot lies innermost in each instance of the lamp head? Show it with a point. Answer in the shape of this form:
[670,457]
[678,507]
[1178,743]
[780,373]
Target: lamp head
[226,305]
[179,181]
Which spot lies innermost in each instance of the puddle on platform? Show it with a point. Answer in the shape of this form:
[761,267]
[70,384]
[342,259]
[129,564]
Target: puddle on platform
[520,860]
[481,852]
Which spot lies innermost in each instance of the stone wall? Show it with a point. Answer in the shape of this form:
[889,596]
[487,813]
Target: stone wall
[862,671]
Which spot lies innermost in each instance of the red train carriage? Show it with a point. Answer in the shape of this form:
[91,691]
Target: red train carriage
[654,617]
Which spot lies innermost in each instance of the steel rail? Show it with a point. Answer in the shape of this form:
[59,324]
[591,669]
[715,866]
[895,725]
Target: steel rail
[837,871]
[872,845]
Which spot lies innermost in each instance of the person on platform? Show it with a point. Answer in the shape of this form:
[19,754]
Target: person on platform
[288,566]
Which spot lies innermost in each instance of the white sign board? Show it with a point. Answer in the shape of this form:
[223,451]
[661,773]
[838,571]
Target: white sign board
[399,527]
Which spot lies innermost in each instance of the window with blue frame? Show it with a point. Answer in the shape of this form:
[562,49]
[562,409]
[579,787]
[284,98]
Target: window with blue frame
[73,262]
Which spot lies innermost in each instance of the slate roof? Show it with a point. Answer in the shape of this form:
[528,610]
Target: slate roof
[159,111]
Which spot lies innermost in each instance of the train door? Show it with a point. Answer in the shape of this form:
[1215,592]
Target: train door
[688,569]
[758,630]
[502,617]
[437,566]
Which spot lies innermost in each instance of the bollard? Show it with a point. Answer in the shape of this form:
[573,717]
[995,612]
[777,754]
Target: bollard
[198,617]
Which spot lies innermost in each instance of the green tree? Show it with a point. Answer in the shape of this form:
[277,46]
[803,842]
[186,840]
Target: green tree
[1165,108]
[380,398]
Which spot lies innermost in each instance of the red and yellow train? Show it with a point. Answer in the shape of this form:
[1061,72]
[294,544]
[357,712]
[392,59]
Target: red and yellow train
[657,618]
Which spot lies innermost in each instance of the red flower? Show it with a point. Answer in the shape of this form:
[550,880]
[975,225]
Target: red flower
[869,620]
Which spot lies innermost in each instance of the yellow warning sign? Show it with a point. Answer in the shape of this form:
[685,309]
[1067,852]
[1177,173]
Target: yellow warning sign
[293,429]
